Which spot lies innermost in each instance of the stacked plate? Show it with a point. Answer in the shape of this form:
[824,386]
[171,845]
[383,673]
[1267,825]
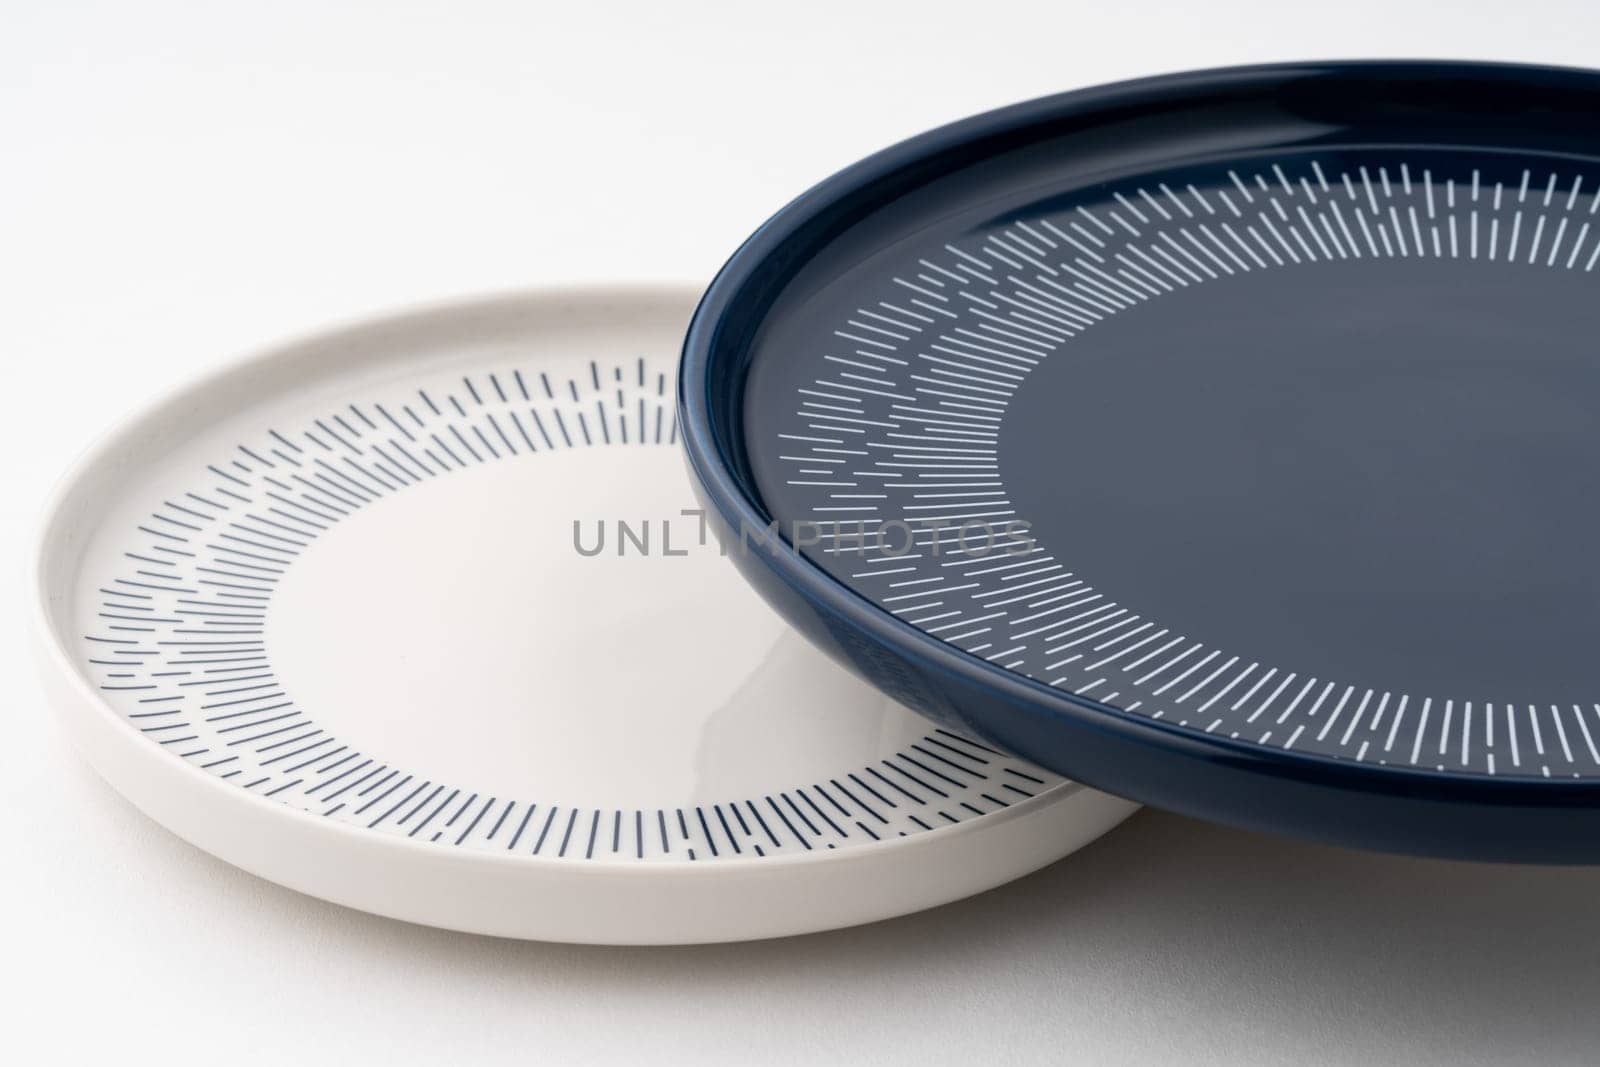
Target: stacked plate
[1221,441]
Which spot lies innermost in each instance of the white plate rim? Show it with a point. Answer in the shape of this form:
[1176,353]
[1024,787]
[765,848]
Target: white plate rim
[162,787]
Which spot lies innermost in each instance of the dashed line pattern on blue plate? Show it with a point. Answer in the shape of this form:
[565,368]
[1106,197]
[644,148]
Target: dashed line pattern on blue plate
[905,422]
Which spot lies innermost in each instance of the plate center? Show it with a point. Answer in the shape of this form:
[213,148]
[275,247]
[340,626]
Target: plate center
[1375,470]
[463,628]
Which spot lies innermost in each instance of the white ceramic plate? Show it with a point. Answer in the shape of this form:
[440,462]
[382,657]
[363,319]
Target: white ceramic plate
[417,616]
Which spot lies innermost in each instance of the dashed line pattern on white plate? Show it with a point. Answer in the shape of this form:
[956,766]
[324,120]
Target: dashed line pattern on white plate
[182,640]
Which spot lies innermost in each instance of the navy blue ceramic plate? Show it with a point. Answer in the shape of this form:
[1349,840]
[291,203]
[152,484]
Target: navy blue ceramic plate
[1228,441]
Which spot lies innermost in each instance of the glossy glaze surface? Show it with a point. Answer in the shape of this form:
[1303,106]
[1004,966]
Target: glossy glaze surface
[1243,417]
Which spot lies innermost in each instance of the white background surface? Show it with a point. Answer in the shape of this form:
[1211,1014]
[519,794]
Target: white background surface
[182,182]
